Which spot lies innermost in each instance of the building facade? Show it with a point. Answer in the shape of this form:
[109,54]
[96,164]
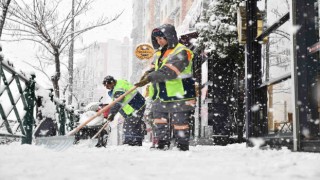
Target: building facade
[109,58]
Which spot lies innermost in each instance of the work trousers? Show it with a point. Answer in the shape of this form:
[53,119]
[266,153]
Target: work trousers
[170,125]
[133,128]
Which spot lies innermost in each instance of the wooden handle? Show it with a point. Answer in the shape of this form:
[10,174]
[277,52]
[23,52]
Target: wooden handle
[75,130]
[104,126]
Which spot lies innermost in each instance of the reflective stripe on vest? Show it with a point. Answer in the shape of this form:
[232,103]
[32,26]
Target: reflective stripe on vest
[181,88]
[132,101]
[152,91]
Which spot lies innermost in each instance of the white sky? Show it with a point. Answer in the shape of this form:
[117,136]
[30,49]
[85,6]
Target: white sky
[116,30]
[25,50]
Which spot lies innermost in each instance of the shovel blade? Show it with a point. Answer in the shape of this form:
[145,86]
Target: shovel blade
[55,142]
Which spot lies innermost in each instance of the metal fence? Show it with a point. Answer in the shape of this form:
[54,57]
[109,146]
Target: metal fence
[19,105]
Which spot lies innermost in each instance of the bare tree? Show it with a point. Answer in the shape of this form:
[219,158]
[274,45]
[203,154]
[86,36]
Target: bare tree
[41,21]
[4,5]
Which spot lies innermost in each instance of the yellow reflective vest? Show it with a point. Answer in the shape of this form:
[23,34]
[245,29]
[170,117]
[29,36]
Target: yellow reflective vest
[132,102]
[181,88]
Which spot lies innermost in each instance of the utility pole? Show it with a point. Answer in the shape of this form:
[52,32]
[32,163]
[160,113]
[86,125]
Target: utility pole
[70,67]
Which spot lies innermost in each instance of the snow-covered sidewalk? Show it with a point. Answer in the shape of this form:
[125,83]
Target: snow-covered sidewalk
[24,162]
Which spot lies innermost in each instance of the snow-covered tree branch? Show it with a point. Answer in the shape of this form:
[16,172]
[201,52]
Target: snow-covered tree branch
[49,24]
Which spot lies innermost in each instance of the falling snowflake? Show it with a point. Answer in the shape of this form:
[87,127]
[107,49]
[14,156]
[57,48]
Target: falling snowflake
[255,108]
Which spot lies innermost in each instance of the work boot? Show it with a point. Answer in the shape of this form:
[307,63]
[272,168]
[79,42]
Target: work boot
[183,147]
[98,145]
[126,141]
[135,143]
[163,144]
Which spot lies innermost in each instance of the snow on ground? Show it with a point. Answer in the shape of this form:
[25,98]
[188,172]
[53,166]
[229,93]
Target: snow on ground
[24,162]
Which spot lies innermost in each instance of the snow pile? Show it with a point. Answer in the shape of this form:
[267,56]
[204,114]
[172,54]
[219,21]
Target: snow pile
[125,162]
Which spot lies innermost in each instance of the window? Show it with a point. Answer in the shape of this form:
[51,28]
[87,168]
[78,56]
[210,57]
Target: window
[280,108]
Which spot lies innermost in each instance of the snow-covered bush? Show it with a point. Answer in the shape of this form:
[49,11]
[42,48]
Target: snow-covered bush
[218,40]
[218,32]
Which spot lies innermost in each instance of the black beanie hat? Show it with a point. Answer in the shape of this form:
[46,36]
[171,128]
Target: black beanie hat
[108,80]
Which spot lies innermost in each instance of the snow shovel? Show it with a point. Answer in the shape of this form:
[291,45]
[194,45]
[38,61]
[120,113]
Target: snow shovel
[63,142]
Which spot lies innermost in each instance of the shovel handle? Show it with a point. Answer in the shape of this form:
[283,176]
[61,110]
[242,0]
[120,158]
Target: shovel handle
[104,126]
[75,130]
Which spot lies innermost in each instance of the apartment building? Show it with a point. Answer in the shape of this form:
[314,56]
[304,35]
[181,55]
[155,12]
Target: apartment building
[107,58]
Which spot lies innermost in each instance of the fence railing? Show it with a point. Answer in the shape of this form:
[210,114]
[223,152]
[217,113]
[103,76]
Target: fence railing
[18,102]
[65,114]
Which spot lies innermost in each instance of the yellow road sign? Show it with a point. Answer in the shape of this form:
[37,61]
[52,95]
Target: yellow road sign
[144,51]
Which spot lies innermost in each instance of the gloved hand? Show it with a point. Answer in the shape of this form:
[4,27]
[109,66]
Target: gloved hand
[110,117]
[146,73]
[142,82]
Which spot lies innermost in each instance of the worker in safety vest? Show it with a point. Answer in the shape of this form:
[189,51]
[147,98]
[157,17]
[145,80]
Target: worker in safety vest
[131,108]
[173,88]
